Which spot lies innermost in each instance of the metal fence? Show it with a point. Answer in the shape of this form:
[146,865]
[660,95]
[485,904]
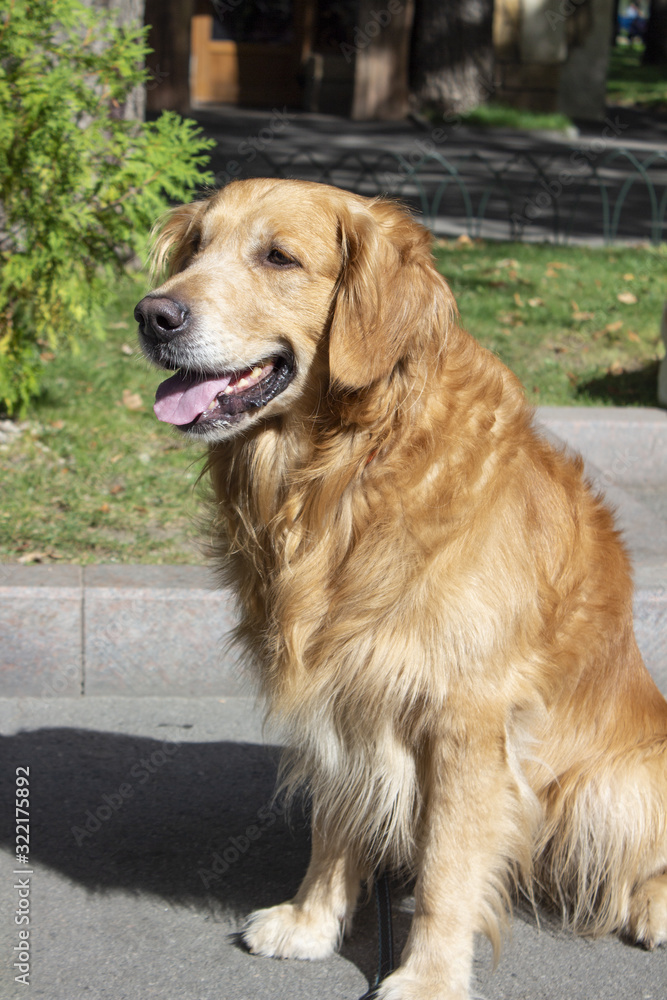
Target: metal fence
[567,194]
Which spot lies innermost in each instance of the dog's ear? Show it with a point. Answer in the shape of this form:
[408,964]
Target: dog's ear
[390,298]
[174,239]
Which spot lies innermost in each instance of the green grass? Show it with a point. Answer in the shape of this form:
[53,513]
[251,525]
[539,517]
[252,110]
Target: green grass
[554,316]
[503,116]
[92,479]
[631,84]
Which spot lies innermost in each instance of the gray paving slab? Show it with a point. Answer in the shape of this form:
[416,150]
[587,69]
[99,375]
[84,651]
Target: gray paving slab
[133,804]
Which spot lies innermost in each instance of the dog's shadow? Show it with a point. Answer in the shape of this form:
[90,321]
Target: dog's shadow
[193,823]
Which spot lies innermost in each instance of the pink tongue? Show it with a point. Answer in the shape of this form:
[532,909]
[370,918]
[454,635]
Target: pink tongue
[181,399]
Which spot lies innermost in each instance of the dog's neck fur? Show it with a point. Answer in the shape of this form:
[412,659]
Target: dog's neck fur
[284,498]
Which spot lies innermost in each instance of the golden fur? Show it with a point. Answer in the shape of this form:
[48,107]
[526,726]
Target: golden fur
[438,607]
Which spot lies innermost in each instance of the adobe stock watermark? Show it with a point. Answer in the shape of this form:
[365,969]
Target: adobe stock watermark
[580,158]
[155,77]
[248,149]
[379,20]
[236,846]
[223,7]
[566,8]
[422,149]
[141,771]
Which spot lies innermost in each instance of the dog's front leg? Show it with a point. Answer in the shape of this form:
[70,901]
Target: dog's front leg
[313,923]
[470,830]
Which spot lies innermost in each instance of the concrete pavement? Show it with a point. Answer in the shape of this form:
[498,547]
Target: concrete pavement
[153,833]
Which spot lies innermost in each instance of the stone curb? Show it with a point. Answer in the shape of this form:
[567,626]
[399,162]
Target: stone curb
[161,630]
[115,630]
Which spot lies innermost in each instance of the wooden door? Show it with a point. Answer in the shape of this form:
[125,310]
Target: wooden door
[251,54]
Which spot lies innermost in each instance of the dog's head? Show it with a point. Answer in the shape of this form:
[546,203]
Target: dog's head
[267,276]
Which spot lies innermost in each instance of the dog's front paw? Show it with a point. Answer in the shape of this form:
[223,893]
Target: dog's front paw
[405,985]
[648,913]
[288,931]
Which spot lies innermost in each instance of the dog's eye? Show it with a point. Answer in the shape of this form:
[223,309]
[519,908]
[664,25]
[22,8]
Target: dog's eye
[281,259]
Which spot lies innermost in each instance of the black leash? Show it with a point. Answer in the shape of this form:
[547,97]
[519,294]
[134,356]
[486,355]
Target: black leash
[385,934]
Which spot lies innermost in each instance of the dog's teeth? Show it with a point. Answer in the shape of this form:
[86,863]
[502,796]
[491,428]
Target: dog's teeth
[256,372]
[228,391]
[212,405]
[242,383]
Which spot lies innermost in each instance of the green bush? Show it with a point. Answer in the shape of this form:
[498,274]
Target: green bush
[79,185]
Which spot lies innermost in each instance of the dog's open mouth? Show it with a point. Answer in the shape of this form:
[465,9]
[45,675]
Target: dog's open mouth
[192,402]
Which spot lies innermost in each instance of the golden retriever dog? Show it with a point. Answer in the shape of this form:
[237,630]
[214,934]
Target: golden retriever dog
[438,607]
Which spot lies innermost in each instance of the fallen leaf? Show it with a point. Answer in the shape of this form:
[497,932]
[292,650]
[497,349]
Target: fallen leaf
[550,273]
[57,425]
[535,302]
[559,264]
[508,262]
[597,283]
[583,315]
[116,489]
[613,327]
[47,356]
[616,368]
[628,277]
[627,298]
[518,299]
[126,349]
[132,400]
[142,510]
[633,337]
[115,458]
[464,240]
[575,307]
[122,324]
[33,557]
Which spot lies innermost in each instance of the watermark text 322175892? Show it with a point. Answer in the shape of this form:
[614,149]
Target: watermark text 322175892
[22,914]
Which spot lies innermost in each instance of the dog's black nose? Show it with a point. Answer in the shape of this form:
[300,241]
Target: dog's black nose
[161,319]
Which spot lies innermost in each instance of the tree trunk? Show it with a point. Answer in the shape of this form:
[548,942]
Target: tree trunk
[452,53]
[382,53]
[169,63]
[655,53]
